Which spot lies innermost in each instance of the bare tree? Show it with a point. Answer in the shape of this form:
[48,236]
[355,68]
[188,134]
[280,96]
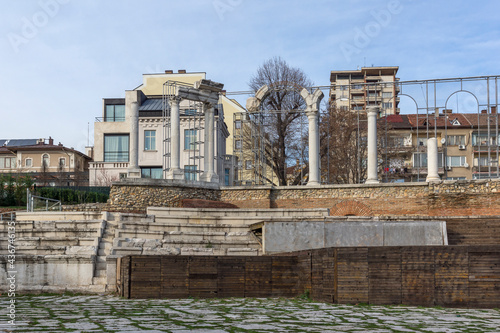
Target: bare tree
[343,146]
[281,124]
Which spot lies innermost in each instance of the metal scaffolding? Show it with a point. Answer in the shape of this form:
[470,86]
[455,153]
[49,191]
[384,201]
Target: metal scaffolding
[427,99]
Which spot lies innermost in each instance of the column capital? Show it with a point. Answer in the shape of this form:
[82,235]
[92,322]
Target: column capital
[174,99]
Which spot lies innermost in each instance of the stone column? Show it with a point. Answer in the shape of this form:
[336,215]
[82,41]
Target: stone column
[432,161]
[209,174]
[314,159]
[372,177]
[312,108]
[175,171]
[133,170]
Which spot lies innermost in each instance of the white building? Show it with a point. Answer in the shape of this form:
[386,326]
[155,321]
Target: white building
[114,134]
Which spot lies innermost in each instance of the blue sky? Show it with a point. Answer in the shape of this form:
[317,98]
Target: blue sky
[59,58]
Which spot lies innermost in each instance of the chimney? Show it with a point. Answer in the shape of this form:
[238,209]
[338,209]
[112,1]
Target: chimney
[51,141]
[169,71]
[182,71]
[493,110]
[484,111]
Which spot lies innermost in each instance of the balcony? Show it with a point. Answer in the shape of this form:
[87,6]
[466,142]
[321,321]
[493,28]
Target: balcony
[109,119]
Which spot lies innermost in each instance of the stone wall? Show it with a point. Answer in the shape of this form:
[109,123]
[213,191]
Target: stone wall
[445,198]
[135,195]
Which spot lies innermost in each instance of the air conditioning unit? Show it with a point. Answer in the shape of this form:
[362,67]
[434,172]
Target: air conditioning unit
[461,147]
[448,168]
[466,165]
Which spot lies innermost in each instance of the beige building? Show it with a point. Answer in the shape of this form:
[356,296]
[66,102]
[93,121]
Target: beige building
[112,133]
[48,164]
[467,145]
[355,90]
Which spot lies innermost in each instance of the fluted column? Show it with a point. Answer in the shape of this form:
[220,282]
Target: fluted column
[209,174]
[314,159]
[372,172]
[432,161]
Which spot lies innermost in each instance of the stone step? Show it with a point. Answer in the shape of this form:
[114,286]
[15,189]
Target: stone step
[55,225]
[50,241]
[179,236]
[56,233]
[161,212]
[165,226]
[36,250]
[246,251]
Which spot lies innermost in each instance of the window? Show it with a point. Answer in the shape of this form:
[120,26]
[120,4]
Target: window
[455,161]
[149,140]
[420,160]
[116,148]
[226,177]
[190,139]
[190,172]
[387,105]
[45,160]
[62,162]
[114,113]
[237,124]
[237,144]
[152,172]
[485,162]
[7,162]
[455,140]
[248,165]
[456,178]
[190,112]
[481,139]
[357,86]
[387,95]
[28,162]
[422,142]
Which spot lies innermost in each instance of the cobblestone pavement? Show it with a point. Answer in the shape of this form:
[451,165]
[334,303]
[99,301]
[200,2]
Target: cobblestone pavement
[113,314]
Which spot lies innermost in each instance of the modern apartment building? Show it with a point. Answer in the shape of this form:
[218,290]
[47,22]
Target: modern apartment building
[355,90]
[113,131]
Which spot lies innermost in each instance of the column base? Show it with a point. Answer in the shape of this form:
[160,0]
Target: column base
[175,174]
[372,181]
[209,177]
[432,179]
[133,172]
[313,183]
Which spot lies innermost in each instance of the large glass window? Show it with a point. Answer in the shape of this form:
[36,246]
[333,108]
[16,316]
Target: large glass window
[152,172]
[149,140]
[116,148]
[190,172]
[115,113]
[190,139]
[45,160]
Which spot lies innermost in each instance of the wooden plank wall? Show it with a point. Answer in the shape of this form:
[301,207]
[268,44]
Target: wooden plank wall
[451,276]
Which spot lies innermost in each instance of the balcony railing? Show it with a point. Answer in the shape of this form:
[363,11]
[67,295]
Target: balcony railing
[109,119]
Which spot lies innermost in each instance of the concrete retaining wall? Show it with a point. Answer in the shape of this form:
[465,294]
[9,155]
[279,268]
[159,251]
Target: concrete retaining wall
[305,235]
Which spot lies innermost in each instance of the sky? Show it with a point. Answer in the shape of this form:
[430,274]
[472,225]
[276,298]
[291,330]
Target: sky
[59,58]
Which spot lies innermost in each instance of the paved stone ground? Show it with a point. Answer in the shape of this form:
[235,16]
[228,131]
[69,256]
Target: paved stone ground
[113,314]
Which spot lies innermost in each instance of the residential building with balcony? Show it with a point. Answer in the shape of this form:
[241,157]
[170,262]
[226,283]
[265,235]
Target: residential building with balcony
[467,145]
[112,133]
[356,90]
